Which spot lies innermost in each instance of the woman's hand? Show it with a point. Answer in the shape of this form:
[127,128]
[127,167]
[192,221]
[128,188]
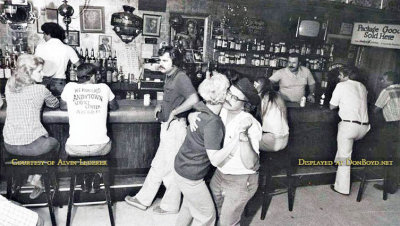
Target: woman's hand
[192,118]
[244,125]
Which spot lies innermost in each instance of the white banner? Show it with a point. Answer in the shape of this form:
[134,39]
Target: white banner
[378,35]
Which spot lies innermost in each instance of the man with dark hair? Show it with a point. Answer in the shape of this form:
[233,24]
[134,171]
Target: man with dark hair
[389,132]
[87,103]
[293,80]
[179,97]
[56,55]
[350,97]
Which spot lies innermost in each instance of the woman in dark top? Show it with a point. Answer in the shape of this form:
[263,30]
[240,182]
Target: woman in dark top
[23,132]
[200,149]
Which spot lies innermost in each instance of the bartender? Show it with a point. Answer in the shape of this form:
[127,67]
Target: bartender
[56,55]
[293,80]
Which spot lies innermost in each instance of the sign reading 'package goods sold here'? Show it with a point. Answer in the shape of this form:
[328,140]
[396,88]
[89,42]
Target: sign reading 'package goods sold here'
[378,35]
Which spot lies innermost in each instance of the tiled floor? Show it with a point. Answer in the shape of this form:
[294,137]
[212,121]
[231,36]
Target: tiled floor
[314,205]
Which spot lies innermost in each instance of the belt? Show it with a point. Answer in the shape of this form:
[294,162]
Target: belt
[357,122]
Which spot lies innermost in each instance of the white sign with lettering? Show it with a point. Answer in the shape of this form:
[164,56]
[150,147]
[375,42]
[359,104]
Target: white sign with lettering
[378,35]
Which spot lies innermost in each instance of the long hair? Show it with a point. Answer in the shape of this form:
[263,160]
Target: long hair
[267,89]
[21,77]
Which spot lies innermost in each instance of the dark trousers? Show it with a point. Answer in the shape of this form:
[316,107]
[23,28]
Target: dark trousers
[389,143]
[40,146]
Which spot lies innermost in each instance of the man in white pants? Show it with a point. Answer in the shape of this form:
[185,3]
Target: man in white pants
[351,98]
[179,97]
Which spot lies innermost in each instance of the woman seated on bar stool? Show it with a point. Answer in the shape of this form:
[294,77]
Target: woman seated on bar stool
[273,114]
[23,132]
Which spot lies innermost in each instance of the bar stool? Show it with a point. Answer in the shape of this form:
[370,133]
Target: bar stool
[268,189]
[364,177]
[15,174]
[81,168]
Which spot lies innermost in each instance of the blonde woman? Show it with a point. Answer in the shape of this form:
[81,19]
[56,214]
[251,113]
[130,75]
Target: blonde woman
[200,149]
[23,132]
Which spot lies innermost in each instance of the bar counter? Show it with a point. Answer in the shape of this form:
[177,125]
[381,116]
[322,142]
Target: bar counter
[135,132]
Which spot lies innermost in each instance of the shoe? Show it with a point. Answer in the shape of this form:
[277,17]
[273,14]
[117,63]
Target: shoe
[96,183]
[160,211]
[333,189]
[37,191]
[380,188]
[133,201]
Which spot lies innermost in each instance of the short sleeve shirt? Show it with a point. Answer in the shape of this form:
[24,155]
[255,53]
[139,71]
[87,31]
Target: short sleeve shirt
[192,161]
[389,101]
[351,97]
[291,86]
[87,111]
[22,125]
[56,56]
[177,88]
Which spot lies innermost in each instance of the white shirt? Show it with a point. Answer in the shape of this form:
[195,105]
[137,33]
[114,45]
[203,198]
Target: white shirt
[274,121]
[87,111]
[292,86]
[56,56]
[351,97]
[235,165]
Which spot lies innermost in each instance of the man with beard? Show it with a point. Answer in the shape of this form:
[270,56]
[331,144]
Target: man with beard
[293,80]
[179,97]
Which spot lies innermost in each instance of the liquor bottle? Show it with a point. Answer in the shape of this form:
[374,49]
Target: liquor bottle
[81,52]
[92,59]
[114,59]
[121,75]
[114,75]
[103,71]
[303,50]
[7,69]
[86,56]
[72,73]
[109,71]
[1,69]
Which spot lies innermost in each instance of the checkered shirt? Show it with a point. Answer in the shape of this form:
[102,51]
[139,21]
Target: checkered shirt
[389,101]
[14,215]
[22,125]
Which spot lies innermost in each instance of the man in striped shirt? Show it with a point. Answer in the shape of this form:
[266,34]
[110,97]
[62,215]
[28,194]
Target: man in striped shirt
[389,102]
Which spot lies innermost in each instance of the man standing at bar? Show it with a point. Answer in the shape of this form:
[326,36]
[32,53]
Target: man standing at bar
[350,97]
[389,102]
[179,97]
[56,55]
[293,80]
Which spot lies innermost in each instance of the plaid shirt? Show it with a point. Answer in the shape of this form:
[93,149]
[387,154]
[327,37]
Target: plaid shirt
[22,125]
[13,215]
[389,101]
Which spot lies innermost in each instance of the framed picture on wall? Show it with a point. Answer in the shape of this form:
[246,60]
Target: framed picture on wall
[192,35]
[105,45]
[46,15]
[151,25]
[73,38]
[92,19]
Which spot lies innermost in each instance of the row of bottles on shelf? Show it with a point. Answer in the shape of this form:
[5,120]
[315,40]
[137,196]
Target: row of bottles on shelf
[227,44]
[8,62]
[267,60]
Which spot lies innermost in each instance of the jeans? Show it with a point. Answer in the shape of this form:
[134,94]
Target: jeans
[55,85]
[88,150]
[162,167]
[348,132]
[197,207]
[40,146]
[231,194]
